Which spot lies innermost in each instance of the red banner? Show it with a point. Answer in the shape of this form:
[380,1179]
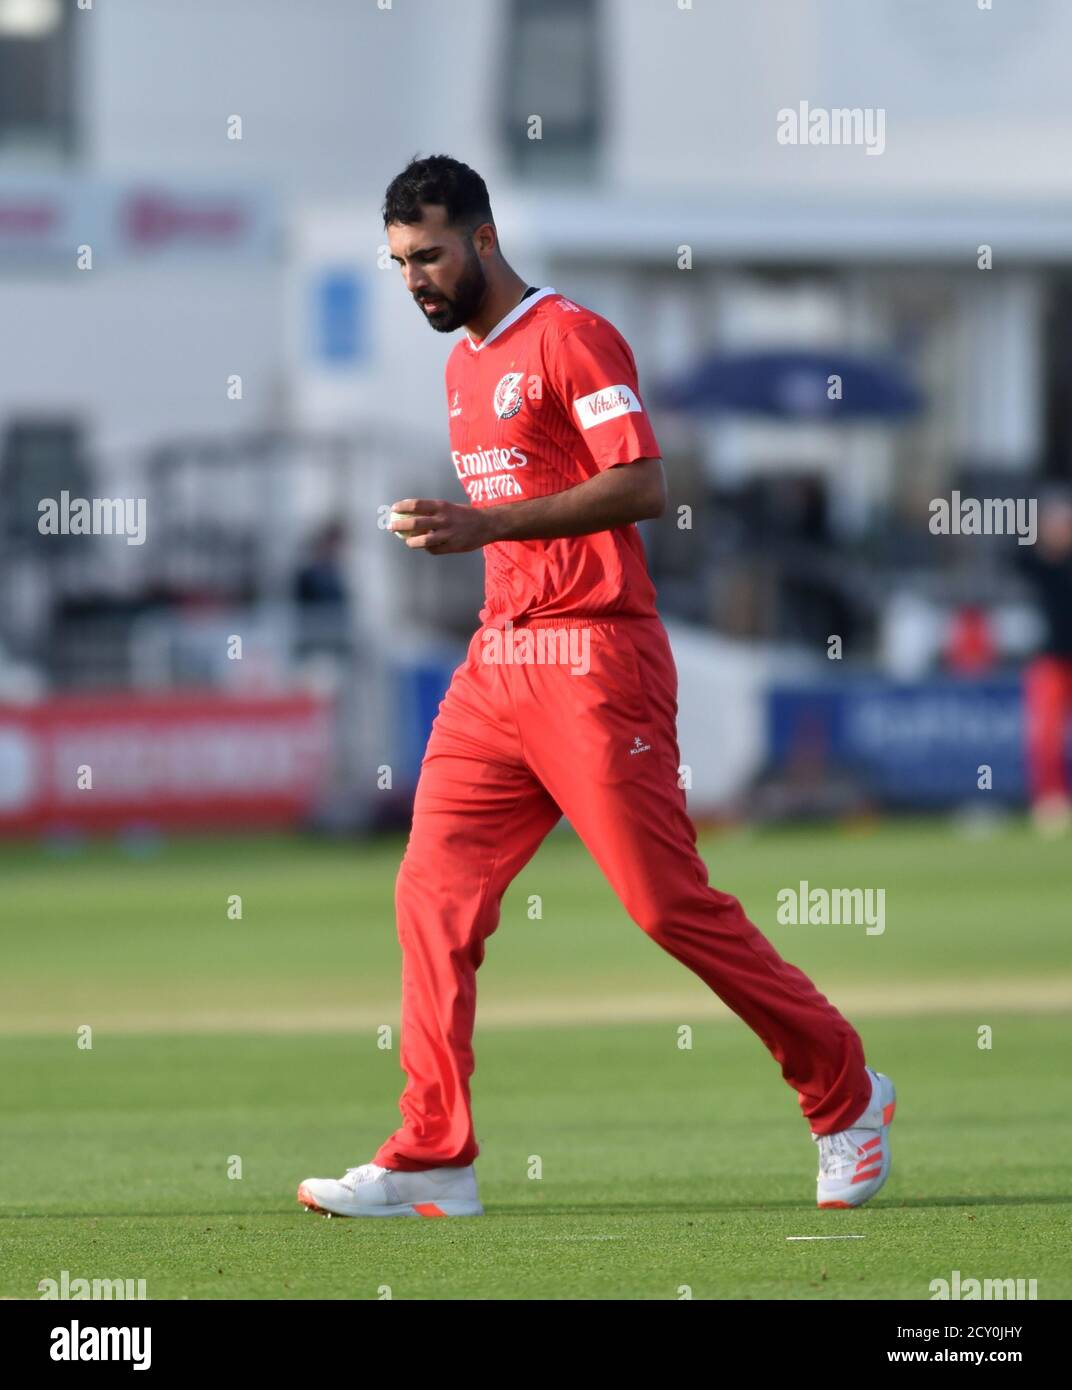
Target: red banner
[173,761]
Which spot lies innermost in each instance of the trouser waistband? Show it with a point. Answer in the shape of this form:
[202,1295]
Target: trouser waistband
[595,620]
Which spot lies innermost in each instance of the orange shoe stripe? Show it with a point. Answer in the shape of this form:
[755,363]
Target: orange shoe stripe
[428,1209]
[871,1173]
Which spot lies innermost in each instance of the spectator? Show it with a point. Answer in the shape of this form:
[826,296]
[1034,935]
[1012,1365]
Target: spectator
[321,594]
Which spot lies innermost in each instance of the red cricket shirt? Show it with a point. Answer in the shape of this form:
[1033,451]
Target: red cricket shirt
[547,399]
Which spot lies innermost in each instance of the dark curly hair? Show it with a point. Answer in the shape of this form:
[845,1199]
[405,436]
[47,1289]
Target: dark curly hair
[441,180]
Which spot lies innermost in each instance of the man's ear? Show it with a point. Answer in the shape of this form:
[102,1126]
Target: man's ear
[485,239]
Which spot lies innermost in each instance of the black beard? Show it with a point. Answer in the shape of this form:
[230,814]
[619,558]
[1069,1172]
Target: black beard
[465,303]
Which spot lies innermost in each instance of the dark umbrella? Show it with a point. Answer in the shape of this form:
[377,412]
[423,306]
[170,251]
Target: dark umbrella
[794,386]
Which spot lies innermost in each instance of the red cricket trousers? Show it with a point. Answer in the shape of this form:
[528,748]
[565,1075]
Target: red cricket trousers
[519,741]
[1047,706]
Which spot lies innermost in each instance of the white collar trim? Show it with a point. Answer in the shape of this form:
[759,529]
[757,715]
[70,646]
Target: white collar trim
[512,317]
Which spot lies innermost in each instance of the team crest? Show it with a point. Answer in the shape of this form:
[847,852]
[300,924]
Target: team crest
[508,399]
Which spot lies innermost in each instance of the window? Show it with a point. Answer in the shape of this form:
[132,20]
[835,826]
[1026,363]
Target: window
[36,83]
[38,459]
[552,70]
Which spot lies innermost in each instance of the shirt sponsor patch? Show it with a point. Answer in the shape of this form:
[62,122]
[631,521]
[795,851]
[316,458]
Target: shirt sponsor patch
[606,404]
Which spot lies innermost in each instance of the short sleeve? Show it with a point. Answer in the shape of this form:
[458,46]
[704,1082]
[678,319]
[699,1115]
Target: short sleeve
[595,377]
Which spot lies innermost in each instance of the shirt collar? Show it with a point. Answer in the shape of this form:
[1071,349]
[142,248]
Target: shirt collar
[512,317]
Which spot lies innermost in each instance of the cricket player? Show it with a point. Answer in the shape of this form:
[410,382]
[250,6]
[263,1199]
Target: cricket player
[566,704]
[1048,676]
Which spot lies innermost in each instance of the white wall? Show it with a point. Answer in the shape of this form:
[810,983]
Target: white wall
[334,95]
[142,356]
[975,99]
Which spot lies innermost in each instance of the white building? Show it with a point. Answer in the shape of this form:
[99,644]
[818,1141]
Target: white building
[214,257]
[659,129]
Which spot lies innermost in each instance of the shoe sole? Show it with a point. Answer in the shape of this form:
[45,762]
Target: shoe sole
[888,1112]
[450,1206]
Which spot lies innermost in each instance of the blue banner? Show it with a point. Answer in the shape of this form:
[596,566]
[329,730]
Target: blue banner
[909,745]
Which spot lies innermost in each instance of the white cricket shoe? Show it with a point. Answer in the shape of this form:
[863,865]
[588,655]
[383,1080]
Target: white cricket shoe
[855,1162]
[371,1190]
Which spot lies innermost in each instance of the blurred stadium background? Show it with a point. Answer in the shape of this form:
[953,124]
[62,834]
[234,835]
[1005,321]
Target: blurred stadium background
[241,355]
[210,323]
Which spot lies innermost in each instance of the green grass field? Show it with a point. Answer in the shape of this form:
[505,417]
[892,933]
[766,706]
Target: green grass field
[661,1168]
